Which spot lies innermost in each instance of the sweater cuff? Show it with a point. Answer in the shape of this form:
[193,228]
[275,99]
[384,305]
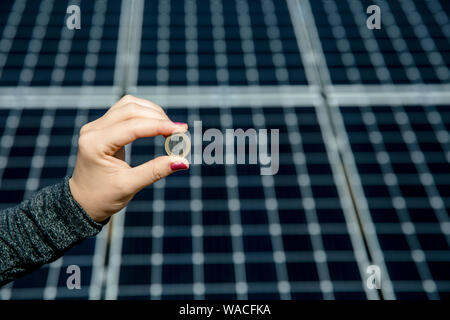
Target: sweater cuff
[65,222]
[79,209]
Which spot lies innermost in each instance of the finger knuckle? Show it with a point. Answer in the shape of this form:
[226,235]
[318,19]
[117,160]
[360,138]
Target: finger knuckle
[85,141]
[128,98]
[132,109]
[159,108]
[157,175]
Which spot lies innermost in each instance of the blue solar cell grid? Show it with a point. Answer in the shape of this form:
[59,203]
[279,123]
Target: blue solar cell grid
[402,155]
[172,241]
[218,42]
[411,47]
[36,151]
[37,49]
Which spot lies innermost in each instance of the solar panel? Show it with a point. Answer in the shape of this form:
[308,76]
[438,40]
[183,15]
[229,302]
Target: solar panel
[36,48]
[363,118]
[218,42]
[402,155]
[411,47]
[219,232]
[38,147]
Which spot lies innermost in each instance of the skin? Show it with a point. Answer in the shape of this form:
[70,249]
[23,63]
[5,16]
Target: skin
[102,182]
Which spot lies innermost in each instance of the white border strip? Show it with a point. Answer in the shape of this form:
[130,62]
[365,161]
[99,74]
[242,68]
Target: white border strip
[58,97]
[134,42]
[351,95]
[236,96]
[130,32]
[123,45]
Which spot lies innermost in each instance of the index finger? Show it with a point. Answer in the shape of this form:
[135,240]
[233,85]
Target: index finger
[129,99]
[125,132]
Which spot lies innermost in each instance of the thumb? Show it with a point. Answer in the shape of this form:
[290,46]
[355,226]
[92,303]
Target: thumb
[156,169]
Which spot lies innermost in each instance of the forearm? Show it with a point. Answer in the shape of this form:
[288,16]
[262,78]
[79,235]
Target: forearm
[39,230]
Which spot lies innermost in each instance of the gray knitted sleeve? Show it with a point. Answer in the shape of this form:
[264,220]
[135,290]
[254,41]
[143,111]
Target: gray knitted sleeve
[40,229]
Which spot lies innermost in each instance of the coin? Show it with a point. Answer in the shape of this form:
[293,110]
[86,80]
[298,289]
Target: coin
[178,144]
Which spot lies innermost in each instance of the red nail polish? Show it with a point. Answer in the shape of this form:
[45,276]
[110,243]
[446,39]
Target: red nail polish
[178,166]
[180,123]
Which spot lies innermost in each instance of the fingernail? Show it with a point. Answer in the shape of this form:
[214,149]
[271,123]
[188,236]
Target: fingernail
[178,166]
[180,123]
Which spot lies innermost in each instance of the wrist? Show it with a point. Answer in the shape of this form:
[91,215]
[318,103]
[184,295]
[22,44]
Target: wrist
[82,199]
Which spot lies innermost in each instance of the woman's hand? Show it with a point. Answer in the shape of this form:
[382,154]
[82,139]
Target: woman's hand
[102,182]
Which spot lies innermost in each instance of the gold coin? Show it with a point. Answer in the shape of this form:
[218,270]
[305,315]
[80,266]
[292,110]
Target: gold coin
[178,144]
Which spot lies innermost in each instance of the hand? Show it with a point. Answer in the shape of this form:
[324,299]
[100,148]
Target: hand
[102,182]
